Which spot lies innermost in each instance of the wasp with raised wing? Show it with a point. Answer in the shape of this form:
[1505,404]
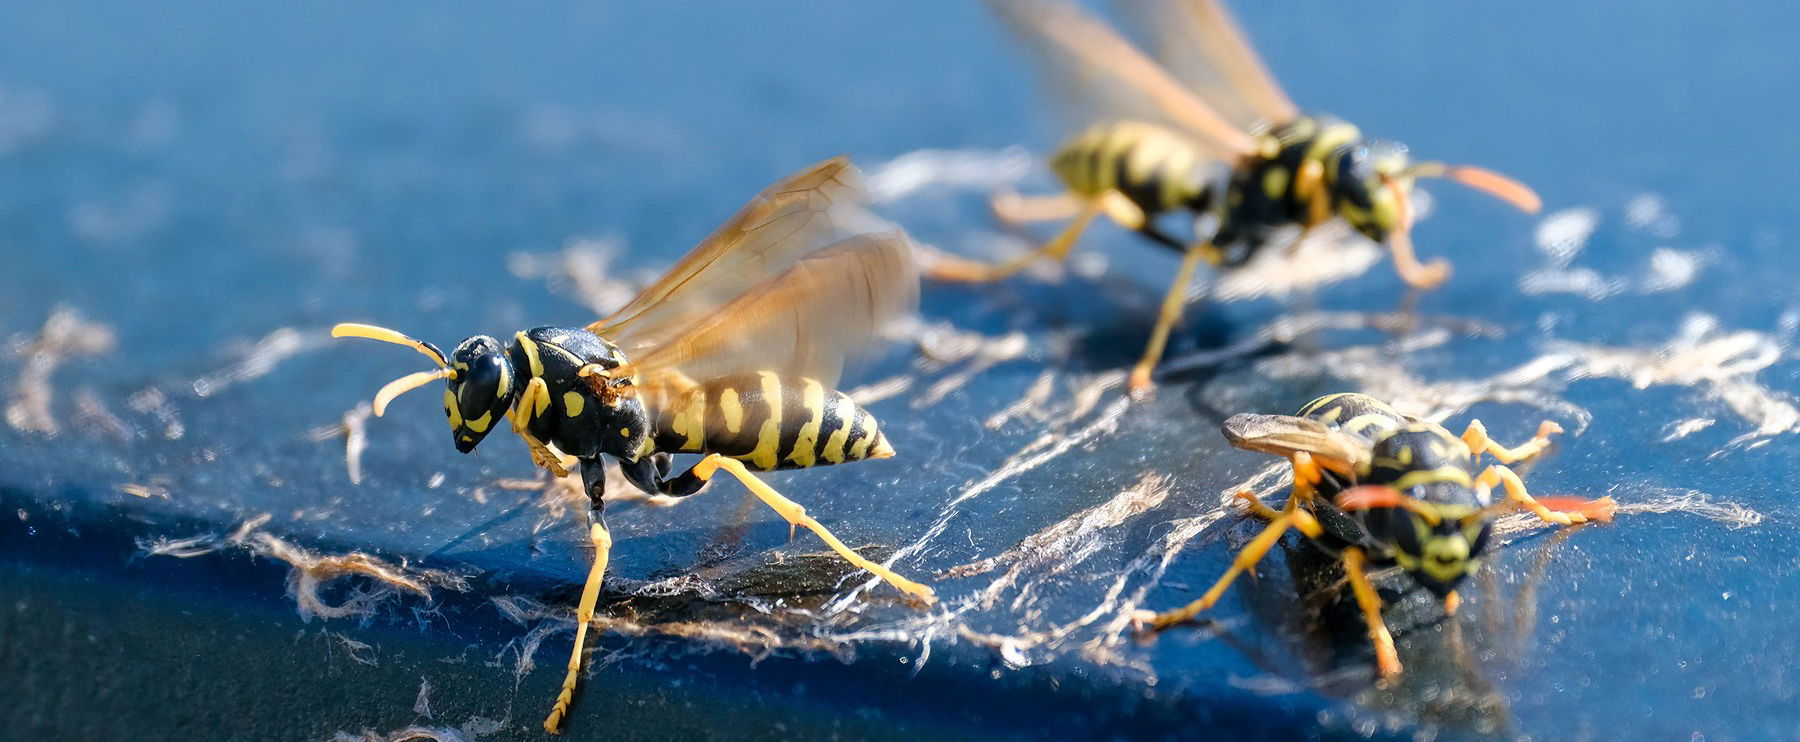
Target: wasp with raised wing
[1203,129]
[732,355]
[1377,489]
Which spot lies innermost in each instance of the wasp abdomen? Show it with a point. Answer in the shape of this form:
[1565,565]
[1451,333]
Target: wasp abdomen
[1157,169]
[1358,414]
[770,422]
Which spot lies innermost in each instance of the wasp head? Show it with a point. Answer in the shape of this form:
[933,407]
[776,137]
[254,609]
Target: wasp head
[480,391]
[1372,187]
[1438,545]
[478,377]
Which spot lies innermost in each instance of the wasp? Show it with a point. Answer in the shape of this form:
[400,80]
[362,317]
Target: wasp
[1376,488]
[732,355]
[1204,130]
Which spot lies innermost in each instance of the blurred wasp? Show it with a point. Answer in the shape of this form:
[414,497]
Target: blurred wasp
[1377,488]
[1204,130]
[733,355]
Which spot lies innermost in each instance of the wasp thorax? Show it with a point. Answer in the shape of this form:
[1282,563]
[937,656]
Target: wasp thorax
[480,392]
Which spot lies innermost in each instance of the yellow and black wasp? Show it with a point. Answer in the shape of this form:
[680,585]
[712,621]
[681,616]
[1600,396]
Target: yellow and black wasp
[1377,488]
[1206,131]
[732,355]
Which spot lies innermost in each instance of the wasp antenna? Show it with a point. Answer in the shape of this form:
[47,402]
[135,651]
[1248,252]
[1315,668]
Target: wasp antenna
[372,332]
[406,384]
[1484,180]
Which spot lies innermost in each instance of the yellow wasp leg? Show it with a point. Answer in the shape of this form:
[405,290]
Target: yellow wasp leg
[1307,476]
[533,401]
[796,516]
[1012,208]
[969,271]
[1257,508]
[1477,439]
[1172,304]
[584,614]
[1309,186]
[1387,661]
[1251,554]
[1406,263]
[1515,491]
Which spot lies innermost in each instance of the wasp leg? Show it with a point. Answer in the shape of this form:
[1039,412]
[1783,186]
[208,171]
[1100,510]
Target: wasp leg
[1387,661]
[796,516]
[1307,476]
[946,268]
[594,476]
[1477,439]
[1309,186]
[1173,301]
[1011,208]
[1515,491]
[1251,554]
[533,402]
[1417,275]
[1257,508]
[1452,601]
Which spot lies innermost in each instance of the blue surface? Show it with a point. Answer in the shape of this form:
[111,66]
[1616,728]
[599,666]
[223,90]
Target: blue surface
[199,175]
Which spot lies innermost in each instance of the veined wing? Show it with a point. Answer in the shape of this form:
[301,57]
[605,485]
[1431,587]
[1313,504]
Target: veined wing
[1286,435]
[788,220]
[1201,45]
[1104,72]
[805,321]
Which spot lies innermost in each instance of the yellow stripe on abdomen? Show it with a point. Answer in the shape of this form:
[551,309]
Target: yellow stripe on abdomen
[770,422]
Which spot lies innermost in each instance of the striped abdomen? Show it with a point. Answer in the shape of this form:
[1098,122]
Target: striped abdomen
[769,422]
[1360,415]
[1157,169]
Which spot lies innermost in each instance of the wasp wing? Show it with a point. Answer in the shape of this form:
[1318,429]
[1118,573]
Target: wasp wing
[1103,73]
[1286,435]
[1202,46]
[804,321]
[788,220]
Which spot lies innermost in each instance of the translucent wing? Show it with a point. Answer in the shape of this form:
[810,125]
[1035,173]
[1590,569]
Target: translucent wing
[795,216]
[1103,73]
[805,321]
[1202,46]
[1286,435]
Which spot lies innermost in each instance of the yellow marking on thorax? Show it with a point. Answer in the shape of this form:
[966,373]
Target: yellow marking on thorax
[573,403]
[1406,455]
[768,439]
[1331,138]
[731,409]
[531,353]
[1452,474]
[1275,182]
[845,411]
[813,398]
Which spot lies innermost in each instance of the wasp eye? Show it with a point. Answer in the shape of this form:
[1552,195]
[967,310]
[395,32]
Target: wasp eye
[480,386]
